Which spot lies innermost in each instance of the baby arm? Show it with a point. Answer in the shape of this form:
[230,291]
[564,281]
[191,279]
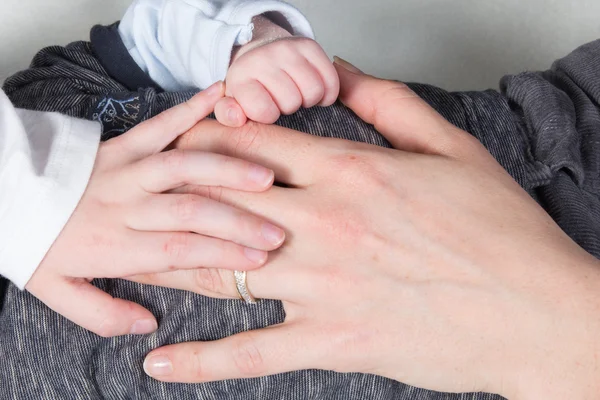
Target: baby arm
[262,48]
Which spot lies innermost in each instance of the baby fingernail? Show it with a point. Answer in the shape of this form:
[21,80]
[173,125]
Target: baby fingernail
[232,115]
[256,256]
[143,327]
[273,234]
[158,366]
[346,65]
[261,175]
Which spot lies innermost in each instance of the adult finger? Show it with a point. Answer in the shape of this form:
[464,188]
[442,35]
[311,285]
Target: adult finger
[153,135]
[279,206]
[199,214]
[407,121]
[93,309]
[273,281]
[174,168]
[277,349]
[210,282]
[168,251]
[294,156]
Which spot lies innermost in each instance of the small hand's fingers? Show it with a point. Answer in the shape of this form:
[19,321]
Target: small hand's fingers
[309,82]
[174,168]
[153,135]
[168,251]
[283,91]
[255,100]
[93,309]
[230,113]
[318,58]
[268,351]
[192,213]
[295,157]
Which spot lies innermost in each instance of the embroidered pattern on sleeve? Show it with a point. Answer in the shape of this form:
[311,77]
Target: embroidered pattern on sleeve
[118,113]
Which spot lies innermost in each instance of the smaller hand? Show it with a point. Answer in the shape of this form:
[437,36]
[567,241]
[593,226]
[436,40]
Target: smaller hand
[277,78]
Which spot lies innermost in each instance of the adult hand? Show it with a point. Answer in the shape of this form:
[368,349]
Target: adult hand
[427,264]
[125,224]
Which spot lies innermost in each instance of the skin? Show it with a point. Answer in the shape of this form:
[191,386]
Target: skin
[450,277]
[128,222]
[276,74]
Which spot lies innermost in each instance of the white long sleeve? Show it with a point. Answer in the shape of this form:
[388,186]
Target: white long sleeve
[185,44]
[46,160]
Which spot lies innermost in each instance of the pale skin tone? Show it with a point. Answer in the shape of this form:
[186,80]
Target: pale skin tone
[426,263]
[128,222]
[276,74]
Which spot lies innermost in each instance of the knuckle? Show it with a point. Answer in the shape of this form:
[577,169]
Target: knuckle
[165,118]
[104,331]
[388,96]
[245,223]
[356,168]
[215,193]
[189,140]
[225,249]
[197,367]
[106,328]
[173,161]
[266,113]
[394,90]
[203,191]
[186,207]
[209,279]
[247,357]
[291,105]
[245,139]
[177,247]
[345,225]
[314,93]
[281,49]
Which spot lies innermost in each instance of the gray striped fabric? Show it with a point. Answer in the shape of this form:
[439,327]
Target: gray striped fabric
[543,128]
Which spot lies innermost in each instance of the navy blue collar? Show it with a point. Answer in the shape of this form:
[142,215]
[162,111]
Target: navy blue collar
[116,60]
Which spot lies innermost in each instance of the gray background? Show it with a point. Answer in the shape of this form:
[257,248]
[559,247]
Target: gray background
[459,44]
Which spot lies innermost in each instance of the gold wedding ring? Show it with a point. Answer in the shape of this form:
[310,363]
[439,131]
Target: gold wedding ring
[242,287]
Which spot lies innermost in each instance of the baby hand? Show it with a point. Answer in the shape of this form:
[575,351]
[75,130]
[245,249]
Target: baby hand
[277,78]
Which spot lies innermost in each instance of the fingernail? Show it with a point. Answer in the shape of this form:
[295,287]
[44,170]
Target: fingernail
[273,234]
[143,327]
[158,366]
[232,115]
[262,176]
[256,256]
[215,88]
[346,65]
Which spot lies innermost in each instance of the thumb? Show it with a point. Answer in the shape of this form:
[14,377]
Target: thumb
[93,309]
[401,116]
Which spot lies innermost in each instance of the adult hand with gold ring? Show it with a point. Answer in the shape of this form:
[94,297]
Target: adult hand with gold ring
[427,263]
